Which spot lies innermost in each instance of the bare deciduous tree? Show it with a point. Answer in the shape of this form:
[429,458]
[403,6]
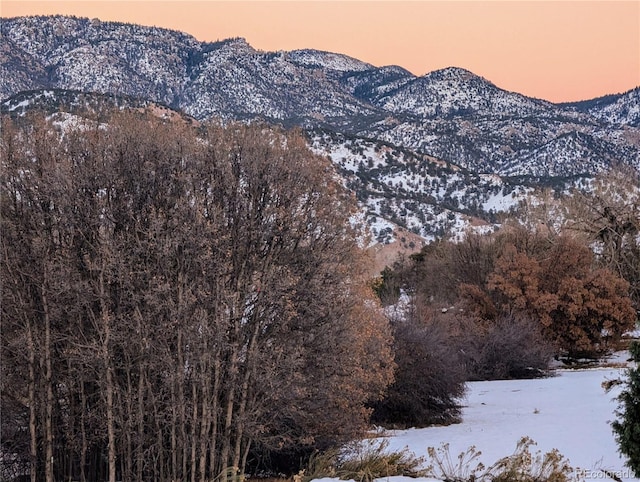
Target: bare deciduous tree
[188,297]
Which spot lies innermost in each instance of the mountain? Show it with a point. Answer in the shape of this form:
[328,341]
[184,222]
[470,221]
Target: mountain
[426,155]
[79,104]
[455,92]
[621,109]
[227,79]
[451,114]
[422,195]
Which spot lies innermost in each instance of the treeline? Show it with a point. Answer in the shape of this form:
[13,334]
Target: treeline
[562,282]
[178,302]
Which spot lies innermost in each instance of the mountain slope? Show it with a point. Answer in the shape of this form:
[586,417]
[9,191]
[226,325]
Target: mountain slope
[622,109]
[451,114]
[454,92]
[235,81]
[18,70]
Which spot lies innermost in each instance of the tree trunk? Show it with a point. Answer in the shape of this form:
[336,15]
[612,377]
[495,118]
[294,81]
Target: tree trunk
[49,476]
[111,431]
[244,397]
[215,396]
[127,462]
[204,431]
[109,387]
[140,417]
[83,435]
[228,419]
[33,428]
[205,412]
[182,414]
[174,439]
[194,430]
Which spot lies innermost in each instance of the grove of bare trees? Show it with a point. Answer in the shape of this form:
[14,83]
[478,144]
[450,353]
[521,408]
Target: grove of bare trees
[514,298]
[178,302]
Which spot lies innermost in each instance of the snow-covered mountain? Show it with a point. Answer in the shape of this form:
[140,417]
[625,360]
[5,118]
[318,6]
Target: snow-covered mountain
[433,154]
[451,114]
[428,197]
[455,92]
[621,109]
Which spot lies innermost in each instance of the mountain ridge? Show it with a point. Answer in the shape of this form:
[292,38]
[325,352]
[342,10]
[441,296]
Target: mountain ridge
[496,143]
[451,113]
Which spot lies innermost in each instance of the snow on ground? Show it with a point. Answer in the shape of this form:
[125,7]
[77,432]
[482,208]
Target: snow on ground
[501,203]
[570,412]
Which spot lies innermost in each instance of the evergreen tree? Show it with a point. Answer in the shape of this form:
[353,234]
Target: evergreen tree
[627,427]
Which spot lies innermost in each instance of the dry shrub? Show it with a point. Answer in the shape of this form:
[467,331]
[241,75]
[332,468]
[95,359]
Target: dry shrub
[429,376]
[363,462]
[521,466]
[510,347]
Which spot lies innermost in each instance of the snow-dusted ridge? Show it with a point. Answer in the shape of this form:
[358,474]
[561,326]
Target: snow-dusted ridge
[328,60]
[451,114]
[436,155]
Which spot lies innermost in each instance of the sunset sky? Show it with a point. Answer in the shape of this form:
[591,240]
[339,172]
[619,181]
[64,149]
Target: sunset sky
[555,50]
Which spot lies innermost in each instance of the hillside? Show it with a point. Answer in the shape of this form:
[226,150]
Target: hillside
[430,155]
[451,114]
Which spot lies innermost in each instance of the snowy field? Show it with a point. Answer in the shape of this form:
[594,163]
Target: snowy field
[570,412]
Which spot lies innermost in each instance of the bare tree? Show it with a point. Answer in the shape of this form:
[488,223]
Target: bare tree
[188,297]
[608,213]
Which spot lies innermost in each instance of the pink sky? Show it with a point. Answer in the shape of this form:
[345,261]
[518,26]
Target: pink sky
[555,50]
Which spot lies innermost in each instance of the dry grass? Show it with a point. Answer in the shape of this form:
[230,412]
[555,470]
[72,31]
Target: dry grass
[521,466]
[363,462]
